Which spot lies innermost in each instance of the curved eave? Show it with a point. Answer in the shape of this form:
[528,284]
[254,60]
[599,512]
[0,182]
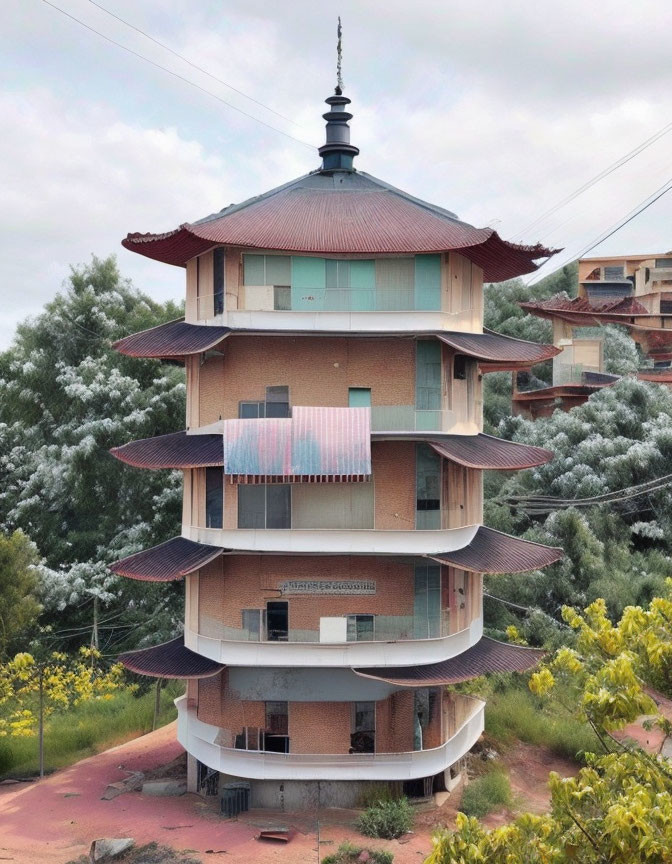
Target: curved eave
[489,453]
[167,561]
[170,660]
[488,551]
[497,353]
[182,450]
[494,552]
[176,450]
[487,656]
[171,341]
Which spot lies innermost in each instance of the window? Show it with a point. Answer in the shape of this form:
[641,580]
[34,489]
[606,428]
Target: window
[427,602]
[277,718]
[359,397]
[428,375]
[360,628]
[275,270]
[427,488]
[214,497]
[277,621]
[276,404]
[219,258]
[363,736]
[253,620]
[614,274]
[264,506]
[663,262]
[460,367]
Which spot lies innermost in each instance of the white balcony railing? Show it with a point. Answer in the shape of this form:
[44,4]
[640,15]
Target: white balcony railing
[201,741]
[401,652]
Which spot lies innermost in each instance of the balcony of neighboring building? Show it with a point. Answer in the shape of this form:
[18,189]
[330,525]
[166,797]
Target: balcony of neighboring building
[410,734]
[249,290]
[331,611]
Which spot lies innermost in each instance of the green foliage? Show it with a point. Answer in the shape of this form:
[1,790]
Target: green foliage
[515,714]
[66,398]
[348,852]
[373,793]
[386,819]
[491,791]
[88,728]
[18,583]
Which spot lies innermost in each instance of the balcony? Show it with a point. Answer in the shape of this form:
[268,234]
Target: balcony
[338,309]
[393,645]
[355,541]
[462,727]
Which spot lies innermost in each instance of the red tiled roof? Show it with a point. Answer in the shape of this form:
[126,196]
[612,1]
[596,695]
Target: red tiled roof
[492,551]
[581,309]
[488,452]
[170,660]
[174,339]
[487,656]
[658,376]
[167,561]
[177,450]
[343,213]
[496,352]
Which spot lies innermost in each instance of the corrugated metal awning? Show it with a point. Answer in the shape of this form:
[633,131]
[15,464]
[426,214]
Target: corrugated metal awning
[315,445]
[167,561]
[170,660]
[486,656]
[493,551]
[487,452]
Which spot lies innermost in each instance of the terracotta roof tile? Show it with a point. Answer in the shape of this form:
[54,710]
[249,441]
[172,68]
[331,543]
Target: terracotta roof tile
[170,660]
[167,561]
[174,339]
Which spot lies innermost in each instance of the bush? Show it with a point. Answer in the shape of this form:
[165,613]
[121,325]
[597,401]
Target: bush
[347,853]
[375,793]
[386,819]
[516,714]
[487,793]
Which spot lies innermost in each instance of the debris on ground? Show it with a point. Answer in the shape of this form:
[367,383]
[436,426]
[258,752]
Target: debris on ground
[164,788]
[151,853]
[107,848]
[134,781]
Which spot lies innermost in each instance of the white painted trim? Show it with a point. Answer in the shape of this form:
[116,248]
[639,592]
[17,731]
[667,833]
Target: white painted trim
[411,321]
[200,739]
[410,652]
[362,541]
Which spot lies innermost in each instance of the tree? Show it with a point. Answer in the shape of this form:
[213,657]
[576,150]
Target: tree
[18,583]
[32,690]
[66,397]
[619,807]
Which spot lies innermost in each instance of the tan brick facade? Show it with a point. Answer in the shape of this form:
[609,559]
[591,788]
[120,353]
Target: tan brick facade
[320,727]
[318,371]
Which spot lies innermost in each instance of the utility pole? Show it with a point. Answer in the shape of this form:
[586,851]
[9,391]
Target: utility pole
[157,703]
[94,632]
[41,721]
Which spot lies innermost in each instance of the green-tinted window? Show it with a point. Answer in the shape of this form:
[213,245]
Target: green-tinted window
[428,488]
[428,375]
[427,602]
[359,397]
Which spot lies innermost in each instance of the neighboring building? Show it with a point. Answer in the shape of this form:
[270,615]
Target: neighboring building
[332,546]
[634,291]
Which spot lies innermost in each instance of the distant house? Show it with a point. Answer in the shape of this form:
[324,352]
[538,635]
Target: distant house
[634,291]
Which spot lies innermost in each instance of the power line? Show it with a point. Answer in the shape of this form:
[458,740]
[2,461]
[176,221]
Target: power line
[175,75]
[190,63]
[605,173]
[640,208]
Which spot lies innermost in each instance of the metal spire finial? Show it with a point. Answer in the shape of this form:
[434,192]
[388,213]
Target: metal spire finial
[339,59]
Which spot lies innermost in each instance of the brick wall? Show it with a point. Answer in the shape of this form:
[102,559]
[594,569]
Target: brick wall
[320,727]
[318,371]
[230,584]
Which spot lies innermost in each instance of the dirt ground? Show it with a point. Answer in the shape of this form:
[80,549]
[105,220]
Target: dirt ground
[53,821]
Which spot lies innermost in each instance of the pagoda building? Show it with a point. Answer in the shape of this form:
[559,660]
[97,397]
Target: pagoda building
[634,291]
[332,546]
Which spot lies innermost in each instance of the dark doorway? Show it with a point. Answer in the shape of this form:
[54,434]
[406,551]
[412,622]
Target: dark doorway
[277,621]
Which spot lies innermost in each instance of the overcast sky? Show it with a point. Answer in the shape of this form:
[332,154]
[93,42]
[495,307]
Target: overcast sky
[495,110]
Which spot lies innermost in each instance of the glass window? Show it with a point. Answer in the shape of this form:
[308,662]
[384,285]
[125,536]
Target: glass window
[214,497]
[428,375]
[277,402]
[360,628]
[219,258]
[277,718]
[663,262]
[267,270]
[359,397]
[427,602]
[363,737]
[251,410]
[277,620]
[251,506]
[613,273]
[278,506]
[252,619]
[427,488]
[460,367]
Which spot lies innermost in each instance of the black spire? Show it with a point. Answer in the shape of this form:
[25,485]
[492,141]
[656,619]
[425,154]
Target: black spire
[337,152]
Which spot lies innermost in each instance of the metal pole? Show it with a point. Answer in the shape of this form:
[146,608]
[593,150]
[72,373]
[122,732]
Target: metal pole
[157,703]
[41,722]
